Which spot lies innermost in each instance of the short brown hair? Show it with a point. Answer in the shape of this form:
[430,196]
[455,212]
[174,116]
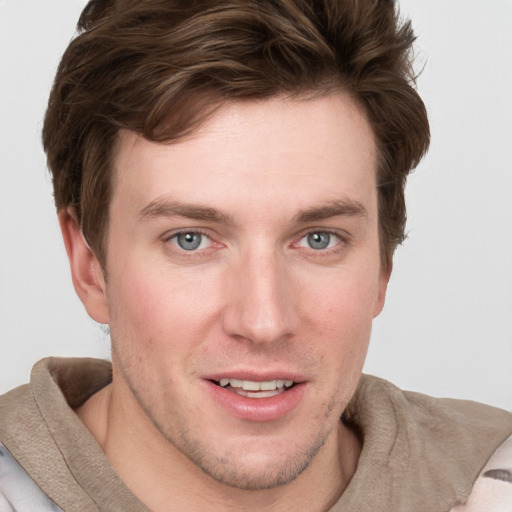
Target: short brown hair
[159,67]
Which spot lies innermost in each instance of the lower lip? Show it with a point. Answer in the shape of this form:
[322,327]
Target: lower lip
[257,409]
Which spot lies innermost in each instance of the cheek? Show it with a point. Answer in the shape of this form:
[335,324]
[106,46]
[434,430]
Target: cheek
[155,308]
[342,316]
[346,299]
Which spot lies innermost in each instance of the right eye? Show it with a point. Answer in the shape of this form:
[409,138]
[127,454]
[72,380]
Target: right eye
[190,240]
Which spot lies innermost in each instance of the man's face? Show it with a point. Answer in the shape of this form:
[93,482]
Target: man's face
[245,255]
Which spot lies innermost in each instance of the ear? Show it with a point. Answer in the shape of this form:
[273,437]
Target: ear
[385,274]
[86,271]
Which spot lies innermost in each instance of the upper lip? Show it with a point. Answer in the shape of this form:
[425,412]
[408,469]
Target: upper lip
[256,376]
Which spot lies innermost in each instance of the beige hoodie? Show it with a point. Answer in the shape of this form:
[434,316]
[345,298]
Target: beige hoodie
[419,453]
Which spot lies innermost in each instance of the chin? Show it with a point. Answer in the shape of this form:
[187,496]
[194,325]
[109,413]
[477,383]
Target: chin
[254,478]
[253,468]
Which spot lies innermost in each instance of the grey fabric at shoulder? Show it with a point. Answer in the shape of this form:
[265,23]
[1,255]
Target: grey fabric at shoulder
[18,492]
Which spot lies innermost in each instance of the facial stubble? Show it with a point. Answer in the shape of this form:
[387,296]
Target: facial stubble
[229,468]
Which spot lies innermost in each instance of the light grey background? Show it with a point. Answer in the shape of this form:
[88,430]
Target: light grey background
[447,326]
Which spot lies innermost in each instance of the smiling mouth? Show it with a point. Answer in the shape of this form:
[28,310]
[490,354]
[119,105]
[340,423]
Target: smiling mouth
[255,389]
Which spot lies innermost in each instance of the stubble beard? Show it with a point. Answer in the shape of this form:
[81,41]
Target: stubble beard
[231,471]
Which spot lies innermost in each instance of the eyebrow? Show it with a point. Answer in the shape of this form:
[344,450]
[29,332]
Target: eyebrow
[168,208]
[332,209]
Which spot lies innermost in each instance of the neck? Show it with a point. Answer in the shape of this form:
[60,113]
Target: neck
[160,475]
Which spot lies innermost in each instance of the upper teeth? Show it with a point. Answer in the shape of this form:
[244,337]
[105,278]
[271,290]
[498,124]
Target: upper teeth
[249,385]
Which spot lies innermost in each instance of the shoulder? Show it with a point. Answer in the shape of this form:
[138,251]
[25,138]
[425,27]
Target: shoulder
[451,424]
[442,443]
[492,491]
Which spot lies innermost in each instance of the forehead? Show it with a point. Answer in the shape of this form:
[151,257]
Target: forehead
[266,150]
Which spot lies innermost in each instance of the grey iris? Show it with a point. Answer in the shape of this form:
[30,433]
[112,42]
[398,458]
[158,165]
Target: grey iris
[319,240]
[189,241]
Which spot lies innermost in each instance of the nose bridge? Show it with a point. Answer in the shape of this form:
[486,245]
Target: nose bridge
[261,307]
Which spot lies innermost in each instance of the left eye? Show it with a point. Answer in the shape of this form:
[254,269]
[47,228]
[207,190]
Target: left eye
[319,240]
[190,241]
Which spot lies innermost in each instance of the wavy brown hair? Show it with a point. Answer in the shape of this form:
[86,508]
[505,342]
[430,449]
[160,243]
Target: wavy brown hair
[161,67]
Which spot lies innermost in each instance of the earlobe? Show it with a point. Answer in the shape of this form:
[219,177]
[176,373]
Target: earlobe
[86,271]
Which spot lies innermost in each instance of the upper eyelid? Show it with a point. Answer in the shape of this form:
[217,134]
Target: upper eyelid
[340,233]
[172,233]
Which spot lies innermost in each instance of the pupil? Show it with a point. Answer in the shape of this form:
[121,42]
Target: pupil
[319,240]
[189,241]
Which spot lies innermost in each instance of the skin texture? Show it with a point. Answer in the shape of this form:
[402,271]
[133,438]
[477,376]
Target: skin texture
[254,299]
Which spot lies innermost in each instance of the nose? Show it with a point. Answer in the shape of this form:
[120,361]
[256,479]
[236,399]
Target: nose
[261,305]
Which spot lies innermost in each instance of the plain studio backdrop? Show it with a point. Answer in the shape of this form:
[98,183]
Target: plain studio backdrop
[446,329]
